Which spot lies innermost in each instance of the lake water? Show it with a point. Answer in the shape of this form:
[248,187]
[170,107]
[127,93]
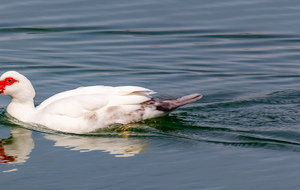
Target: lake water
[243,56]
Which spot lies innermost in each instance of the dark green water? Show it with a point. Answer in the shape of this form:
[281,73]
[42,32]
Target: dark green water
[243,56]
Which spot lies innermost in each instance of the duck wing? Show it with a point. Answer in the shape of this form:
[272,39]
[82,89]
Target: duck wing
[75,103]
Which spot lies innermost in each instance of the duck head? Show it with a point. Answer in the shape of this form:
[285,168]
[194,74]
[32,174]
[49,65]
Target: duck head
[17,86]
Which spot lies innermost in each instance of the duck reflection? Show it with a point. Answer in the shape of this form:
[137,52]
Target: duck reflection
[119,147]
[17,147]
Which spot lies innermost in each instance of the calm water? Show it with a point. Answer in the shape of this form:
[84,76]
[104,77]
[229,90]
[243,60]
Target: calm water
[242,55]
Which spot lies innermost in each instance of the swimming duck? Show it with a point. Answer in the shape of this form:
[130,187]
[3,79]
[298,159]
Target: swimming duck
[85,109]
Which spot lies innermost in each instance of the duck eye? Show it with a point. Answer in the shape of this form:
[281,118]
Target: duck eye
[10,80]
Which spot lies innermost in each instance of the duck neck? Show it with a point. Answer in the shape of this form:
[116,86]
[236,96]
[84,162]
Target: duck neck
[21,110]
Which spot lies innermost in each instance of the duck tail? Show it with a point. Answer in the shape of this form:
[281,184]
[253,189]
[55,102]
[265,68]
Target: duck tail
[170,104]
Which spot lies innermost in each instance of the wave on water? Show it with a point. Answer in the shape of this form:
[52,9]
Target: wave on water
[265,120]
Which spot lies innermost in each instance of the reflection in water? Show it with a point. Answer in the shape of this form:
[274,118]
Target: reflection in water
[120,147]
[17,147]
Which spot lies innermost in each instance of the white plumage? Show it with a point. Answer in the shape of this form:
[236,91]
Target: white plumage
[85,109]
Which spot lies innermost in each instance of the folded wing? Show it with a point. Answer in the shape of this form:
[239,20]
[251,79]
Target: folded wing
[75,103]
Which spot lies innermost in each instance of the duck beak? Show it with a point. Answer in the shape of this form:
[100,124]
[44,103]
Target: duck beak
[2,86]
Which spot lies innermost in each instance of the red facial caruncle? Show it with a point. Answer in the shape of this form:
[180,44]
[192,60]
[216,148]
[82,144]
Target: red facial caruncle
[6,82]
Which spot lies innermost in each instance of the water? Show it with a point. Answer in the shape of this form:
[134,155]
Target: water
[242,56]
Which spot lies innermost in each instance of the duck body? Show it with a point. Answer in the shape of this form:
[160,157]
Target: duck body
[95,107]
[85,109]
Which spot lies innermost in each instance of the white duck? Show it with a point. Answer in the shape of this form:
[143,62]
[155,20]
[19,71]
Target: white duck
[85,109]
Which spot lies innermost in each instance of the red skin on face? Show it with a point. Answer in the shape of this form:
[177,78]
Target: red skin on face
[6,82]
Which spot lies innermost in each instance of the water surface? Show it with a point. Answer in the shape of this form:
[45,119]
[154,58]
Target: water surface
[242,56]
